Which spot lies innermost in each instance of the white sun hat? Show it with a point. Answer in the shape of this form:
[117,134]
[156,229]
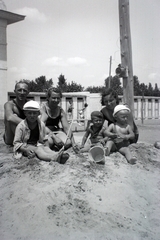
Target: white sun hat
[31,105]
[120,107]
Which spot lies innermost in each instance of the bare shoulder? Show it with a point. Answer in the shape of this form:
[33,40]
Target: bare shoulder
[9,104]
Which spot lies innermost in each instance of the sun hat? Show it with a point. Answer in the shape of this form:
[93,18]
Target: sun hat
[96,114]
[31,105]
[119,108]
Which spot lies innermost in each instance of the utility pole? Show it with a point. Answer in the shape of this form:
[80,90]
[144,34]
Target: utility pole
[126,53]
[110,64]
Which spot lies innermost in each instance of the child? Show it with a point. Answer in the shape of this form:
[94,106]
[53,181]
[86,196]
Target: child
[70,110]
[120,133]
[96,131]
[31,136]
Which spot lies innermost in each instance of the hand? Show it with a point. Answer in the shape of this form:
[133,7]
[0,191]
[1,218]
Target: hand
[102,141]
[82,146]
[76,148]
[30,153]
[58,142]
[113,136]
[125,137]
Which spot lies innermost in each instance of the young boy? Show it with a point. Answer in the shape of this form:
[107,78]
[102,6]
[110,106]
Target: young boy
[120,133]
[31,136]
[96,131]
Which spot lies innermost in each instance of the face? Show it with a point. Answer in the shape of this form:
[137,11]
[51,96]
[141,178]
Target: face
[122,117]
[54,98]
[109,101]
[97,122]
[31,116]
[21,91]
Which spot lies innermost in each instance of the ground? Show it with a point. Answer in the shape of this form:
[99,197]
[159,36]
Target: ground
[81,199]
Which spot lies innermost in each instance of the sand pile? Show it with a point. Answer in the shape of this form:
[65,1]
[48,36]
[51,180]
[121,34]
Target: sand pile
[81,199]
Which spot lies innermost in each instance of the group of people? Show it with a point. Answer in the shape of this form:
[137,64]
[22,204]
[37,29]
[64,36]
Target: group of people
[34,130]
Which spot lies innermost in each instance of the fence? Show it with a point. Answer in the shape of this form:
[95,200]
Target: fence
[145,107]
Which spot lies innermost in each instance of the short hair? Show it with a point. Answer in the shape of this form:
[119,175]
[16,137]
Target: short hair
[52,89]
[96,114]
[109,91]
[22,81]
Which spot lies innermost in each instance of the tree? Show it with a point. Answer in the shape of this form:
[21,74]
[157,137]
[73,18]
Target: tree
[74,87]
[115,84]
[41,84]
[136,86]
[149,90]
[62,83]
[143,89]
[93,89]
[156,91]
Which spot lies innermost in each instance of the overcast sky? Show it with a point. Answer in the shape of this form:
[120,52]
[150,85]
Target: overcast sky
[77,37]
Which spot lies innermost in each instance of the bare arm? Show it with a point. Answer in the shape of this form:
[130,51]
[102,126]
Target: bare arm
[43,114]
[84,139]
[130,134]
[10,115]
[110,131]
[65,126]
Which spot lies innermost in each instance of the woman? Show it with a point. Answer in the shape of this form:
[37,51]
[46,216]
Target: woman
[52,115]
[109,98]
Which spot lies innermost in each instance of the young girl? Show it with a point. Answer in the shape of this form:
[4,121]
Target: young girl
[31,137]
[120,133]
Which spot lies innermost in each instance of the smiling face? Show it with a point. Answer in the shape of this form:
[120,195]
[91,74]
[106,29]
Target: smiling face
[31,116]
[121,117]
[21,91]
[54,98]
[109,101]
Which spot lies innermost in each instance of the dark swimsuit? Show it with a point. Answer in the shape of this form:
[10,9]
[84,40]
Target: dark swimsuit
[54,122]
[20,111]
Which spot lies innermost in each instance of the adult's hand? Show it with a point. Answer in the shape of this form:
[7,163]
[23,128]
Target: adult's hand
[58,142]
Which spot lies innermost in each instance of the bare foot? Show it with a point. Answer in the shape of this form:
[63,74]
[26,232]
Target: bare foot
[133,160]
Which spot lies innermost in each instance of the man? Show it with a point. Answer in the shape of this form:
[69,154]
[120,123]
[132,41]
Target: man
[13,111]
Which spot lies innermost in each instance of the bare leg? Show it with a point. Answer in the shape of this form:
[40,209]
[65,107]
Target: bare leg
[50,143]
[108,147]
[46,154]
[9,133]
[63,137]
[126,152]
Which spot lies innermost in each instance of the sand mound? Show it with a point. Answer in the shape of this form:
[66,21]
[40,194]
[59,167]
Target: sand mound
[80,200]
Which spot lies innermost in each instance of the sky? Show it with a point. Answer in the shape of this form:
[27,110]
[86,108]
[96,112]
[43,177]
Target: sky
[76,38]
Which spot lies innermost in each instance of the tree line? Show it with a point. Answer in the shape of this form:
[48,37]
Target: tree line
[41,84]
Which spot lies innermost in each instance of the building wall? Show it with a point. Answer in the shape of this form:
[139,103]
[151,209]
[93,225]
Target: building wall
[3,65]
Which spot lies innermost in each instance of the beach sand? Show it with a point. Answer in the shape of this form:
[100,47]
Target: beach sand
[81,199]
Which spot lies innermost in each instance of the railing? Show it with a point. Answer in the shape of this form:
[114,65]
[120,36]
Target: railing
[145,107]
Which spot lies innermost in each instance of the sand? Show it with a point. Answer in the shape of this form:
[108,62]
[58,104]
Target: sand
[81,199]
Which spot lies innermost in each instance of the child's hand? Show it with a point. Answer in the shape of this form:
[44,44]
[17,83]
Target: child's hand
[30,153]
[102,141]
[125,137]
[76,148]
[82,146]
[113,136]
